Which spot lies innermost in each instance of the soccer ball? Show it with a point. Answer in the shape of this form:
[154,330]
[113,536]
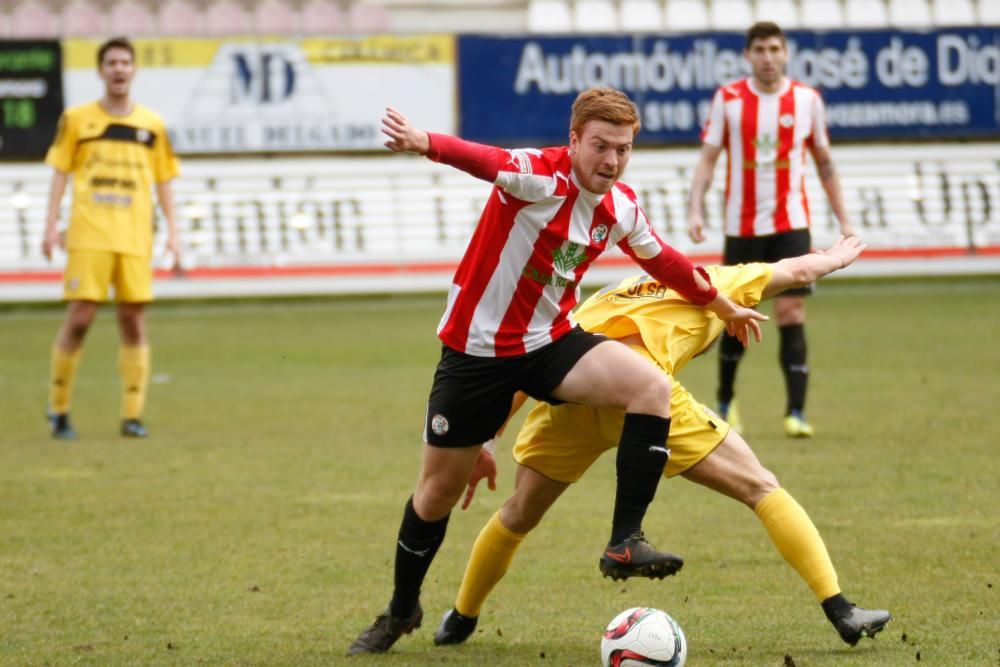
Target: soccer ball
[643,636]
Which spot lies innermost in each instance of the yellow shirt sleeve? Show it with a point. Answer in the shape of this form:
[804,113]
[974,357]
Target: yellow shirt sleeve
[63,149]
[166,166]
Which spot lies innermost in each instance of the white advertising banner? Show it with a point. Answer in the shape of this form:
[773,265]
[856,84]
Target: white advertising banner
[273,95]
[400,223]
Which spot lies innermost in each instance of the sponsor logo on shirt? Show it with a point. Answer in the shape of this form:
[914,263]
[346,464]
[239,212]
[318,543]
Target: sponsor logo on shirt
[123,201]
[546,278]
[567,260]
[767,150]
[112,182]
[644,289]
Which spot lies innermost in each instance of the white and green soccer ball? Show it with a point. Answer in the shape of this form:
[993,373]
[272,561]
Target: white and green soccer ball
[643,636]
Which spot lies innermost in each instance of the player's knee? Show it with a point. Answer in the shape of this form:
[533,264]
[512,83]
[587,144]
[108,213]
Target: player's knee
[789,311]
[519,518]
[763,484]
[435,498]
[653,396]
[76,329]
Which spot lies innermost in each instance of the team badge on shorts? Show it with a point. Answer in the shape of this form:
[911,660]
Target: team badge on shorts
[599,233]
[786,120]
[439,424]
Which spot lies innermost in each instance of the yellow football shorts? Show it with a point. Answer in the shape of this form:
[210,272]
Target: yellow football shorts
[562,441]
[90,273]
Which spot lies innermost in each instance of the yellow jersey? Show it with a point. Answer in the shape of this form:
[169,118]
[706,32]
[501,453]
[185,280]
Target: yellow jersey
[114,162]
[673,330]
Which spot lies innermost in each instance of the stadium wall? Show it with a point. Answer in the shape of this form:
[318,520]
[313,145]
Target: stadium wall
[400,223]
[284,189]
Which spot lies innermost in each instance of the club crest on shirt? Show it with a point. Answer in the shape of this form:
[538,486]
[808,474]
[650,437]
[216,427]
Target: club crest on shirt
[599,233]
[142,135]
[786,120]
[439,424]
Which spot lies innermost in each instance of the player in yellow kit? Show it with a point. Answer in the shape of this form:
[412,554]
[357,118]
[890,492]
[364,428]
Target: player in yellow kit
[557,444]
[117,152]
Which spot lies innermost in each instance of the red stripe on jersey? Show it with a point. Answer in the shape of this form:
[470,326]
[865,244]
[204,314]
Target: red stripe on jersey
[782,168]
[748,130]
[478,265]
[509,339]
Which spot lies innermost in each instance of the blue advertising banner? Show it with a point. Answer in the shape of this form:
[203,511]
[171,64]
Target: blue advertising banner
[876,84]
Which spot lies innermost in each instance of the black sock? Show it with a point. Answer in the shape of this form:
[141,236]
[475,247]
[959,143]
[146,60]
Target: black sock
[836,606]
[416,546]
[730,353]
[641,457]
[792,354]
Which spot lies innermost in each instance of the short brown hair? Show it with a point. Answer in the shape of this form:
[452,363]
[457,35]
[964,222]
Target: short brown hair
[606,104]
[763,30]
[114,43]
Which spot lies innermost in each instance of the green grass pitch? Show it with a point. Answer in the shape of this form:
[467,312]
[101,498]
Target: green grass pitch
[256,526]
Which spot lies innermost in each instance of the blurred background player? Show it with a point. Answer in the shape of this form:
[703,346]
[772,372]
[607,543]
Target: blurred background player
[508,327]
[557,444]
[766,122]
[117,152]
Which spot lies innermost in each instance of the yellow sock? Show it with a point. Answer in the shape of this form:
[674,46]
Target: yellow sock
[798,541]
[491,556]
[62,374]
[133,366]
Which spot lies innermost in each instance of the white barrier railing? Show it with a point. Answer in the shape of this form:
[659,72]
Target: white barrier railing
[382,214]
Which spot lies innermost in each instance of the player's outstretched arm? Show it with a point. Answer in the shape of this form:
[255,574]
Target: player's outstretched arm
[403,137]
[478,160]
[807,269]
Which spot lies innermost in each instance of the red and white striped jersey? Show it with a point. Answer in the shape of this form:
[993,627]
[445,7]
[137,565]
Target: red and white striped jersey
[518,282]
[766,136]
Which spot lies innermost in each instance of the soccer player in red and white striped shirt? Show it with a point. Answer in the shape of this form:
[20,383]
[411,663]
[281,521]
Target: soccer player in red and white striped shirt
[508,327]
[766,123]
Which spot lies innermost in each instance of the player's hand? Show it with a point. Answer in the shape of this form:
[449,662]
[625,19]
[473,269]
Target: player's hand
[744,322]
[402,135]
[846,250]
[696,227]
[50,241]
[174,250]
[847,230]
[486,466]
[740,321]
